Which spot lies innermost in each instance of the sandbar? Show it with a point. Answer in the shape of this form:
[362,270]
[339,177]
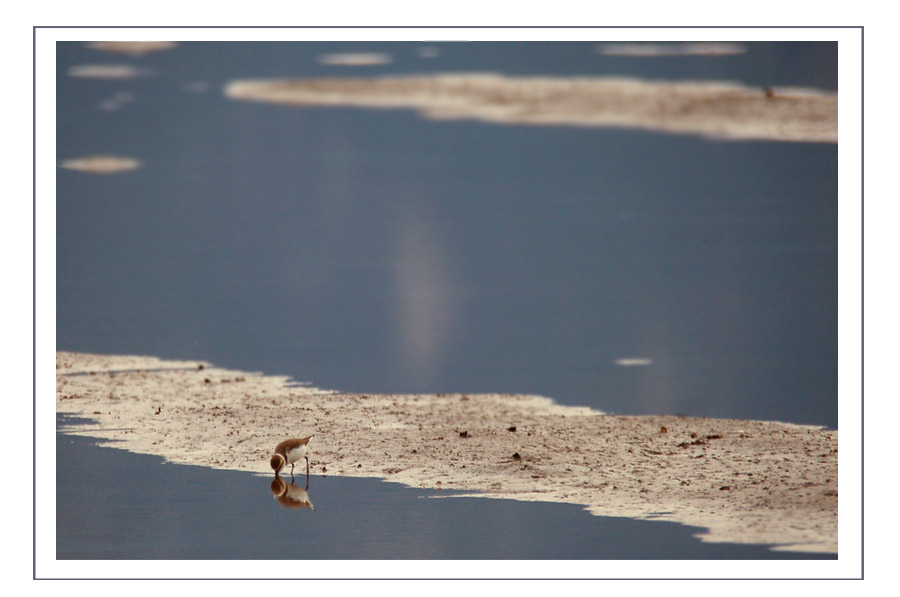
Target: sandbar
[356,59]
[654,50]
[102,164]
[759,482]
[107,71]
[132,48]
[715,110]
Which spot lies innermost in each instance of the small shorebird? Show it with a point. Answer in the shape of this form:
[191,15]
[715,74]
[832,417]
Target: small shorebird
[288,452]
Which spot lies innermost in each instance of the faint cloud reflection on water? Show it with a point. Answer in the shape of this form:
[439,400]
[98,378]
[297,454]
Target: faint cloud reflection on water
[423,285]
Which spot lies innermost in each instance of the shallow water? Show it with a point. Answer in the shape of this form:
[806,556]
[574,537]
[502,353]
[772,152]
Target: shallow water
[374,251]
[113,504]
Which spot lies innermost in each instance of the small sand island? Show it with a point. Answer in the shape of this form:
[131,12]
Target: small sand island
[744,481]
[356,59]
[711,109]
[654,50]
[102,164]
[132,48]
[107,71]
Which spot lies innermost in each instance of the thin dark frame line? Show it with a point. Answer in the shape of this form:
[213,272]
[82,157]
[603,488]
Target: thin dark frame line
[34,264]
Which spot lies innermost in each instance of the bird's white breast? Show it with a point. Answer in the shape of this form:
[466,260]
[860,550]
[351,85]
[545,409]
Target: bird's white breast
[296,454]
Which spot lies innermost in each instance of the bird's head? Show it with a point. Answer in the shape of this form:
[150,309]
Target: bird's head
[277,462]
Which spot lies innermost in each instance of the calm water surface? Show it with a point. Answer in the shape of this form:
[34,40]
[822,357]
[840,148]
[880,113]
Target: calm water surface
[375,251]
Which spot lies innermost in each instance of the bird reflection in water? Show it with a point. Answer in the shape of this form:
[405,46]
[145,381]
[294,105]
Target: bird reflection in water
[289,495]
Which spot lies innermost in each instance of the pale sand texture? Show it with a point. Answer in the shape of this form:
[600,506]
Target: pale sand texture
[356,59]
[651,50]
[107,71]
[718,110]
[745,481]
[133,48]
[102,164]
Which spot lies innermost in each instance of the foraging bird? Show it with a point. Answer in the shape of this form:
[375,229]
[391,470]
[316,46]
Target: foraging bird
[288,452]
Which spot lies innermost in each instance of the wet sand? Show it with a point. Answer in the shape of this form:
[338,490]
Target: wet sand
[745,481]
[711,109]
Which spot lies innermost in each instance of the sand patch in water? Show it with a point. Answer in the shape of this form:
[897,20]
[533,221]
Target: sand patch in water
[744,481]
[711,109]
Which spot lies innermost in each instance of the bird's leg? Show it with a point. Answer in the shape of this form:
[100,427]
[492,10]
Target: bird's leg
[307,467]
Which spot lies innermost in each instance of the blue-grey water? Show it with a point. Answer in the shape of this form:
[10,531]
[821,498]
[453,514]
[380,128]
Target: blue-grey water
[376,251]
[119,505]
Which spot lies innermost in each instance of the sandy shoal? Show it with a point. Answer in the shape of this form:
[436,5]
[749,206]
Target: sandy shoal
[133,48]
[102,164]
[711,109]
[743,481]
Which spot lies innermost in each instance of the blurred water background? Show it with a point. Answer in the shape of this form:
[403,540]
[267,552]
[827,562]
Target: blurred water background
[376,251]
